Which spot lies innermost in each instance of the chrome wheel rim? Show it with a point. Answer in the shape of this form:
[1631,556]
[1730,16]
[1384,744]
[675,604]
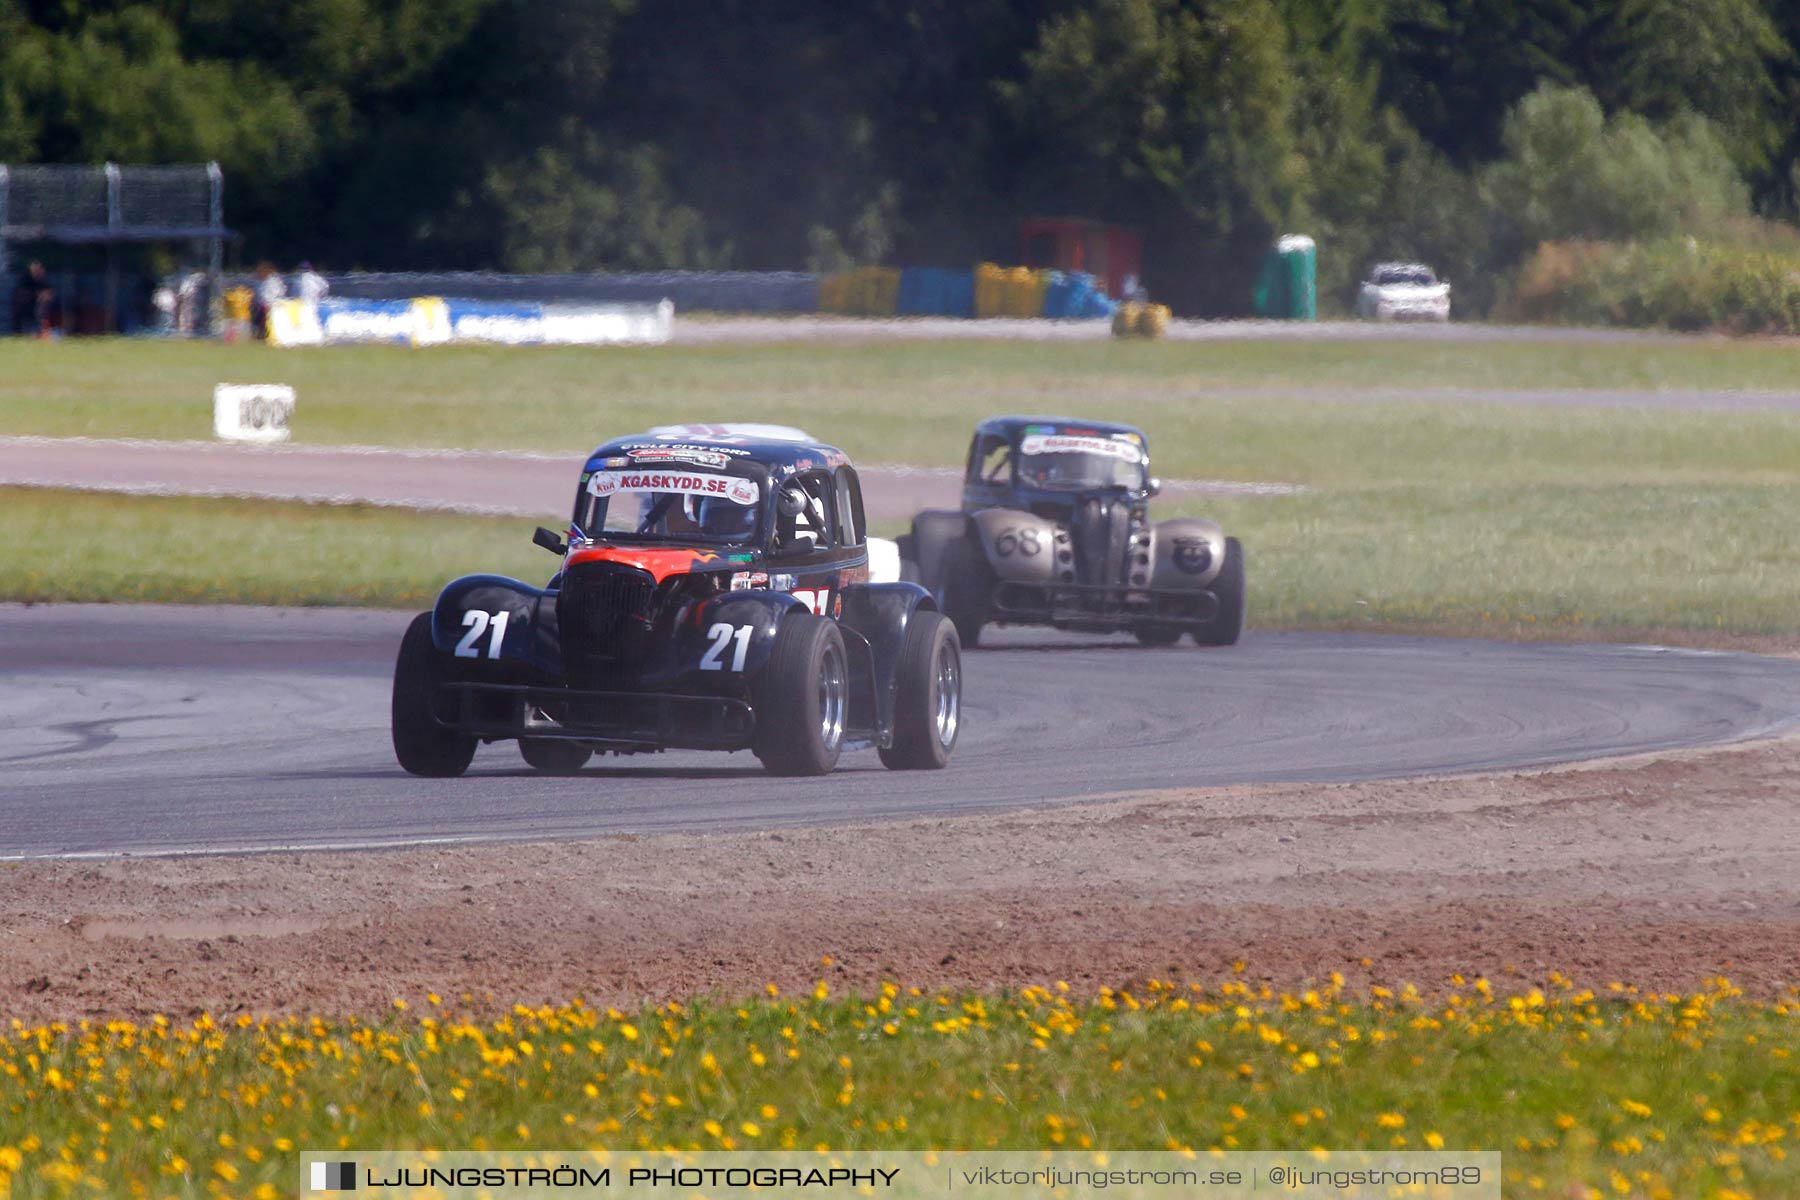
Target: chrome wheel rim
[949,696]
[832,698]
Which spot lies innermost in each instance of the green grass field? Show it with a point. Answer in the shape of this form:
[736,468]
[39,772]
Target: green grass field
[1691,559]
[1307,412]
[1585,1095]
[89,546]
[1476,516]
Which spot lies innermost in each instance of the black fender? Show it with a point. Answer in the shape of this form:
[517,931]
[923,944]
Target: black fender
[932,532]
[880,614]
[527,638]
[708,647]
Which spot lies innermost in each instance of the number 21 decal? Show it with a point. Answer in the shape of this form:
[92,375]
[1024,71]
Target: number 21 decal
[722,635]
[814,598]
[477,623]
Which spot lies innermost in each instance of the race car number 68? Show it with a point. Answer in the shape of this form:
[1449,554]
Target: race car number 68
[478,622]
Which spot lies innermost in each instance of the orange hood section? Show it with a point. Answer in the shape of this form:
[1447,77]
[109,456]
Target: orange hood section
[660,561]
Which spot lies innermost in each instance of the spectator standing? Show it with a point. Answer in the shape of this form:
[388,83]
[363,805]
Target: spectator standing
[310,286]
[193,304]
[33,302]
[271,290]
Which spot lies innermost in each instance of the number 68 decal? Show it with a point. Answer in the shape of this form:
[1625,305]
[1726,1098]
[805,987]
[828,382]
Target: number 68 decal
[478,622]
[722,635]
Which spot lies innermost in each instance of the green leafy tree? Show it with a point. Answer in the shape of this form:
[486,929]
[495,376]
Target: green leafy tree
[1175,115]
[119,88]
[1432,212]
[589,210]
[1711,57]
[1340,134]
[1454,68]
[1570,172]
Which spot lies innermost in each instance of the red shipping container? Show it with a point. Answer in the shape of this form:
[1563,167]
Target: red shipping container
[1113,254]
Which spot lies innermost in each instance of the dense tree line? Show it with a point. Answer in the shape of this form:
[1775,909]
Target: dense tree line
[626,134]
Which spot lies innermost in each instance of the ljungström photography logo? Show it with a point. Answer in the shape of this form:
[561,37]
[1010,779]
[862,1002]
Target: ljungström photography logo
[333,1177]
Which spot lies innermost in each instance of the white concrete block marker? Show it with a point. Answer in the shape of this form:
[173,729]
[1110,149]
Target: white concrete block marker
[252,412]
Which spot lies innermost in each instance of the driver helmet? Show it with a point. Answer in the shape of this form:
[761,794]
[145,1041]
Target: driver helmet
[721,518]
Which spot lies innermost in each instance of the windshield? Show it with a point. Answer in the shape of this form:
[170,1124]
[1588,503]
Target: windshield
[1077,462]
[688,508]
[1417,276]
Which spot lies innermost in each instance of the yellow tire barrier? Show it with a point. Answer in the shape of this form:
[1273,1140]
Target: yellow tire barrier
[864,292]
[1132,319]
[1125,319]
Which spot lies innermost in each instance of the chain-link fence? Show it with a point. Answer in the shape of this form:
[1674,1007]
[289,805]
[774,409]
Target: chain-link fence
[111,203]
[108,206]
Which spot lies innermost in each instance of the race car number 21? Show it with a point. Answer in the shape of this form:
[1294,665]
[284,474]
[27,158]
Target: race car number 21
[477,623]
[722,635]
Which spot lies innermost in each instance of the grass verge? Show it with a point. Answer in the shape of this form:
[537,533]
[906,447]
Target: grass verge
[1552,561]
[1555,561]
[1615,1094]
[1474,516]
[91,546]
[1327,414]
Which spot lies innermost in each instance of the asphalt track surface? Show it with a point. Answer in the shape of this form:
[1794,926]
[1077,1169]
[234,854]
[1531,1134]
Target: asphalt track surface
[158,730]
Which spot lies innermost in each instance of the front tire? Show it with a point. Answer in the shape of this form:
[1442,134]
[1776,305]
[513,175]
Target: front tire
[1228,623]
[422,745]
[803,698]
[968,585]
[553,756]
[928,700]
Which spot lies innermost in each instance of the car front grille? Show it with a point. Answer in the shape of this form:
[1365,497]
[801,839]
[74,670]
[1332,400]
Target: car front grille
[604,612]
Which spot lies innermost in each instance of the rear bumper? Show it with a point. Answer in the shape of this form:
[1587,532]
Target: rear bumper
[624,721]
[1100,606]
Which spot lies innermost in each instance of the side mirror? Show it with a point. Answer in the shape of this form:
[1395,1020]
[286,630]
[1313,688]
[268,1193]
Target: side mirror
[1154,487]
[549,540]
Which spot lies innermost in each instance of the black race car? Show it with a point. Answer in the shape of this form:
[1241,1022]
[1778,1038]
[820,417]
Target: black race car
[714,594]
[1054,530]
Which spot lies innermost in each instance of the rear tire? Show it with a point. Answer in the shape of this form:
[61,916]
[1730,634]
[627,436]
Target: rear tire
[553,756]
[1157,635]
[1228,623]
[928,700]
[968,585]
[422,746]
[803,698]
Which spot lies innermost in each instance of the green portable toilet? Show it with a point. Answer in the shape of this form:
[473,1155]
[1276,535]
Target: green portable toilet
[1287,286]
